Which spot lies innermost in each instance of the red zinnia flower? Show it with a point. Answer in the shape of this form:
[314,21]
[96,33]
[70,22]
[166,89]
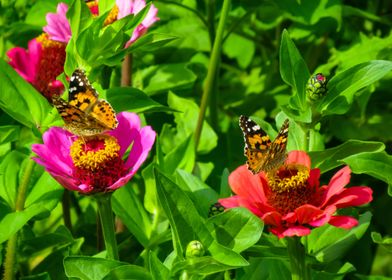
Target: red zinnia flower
[291,200]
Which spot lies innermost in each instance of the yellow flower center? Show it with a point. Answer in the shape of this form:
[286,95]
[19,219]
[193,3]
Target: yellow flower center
[289,178]
[95,153]
[112,16]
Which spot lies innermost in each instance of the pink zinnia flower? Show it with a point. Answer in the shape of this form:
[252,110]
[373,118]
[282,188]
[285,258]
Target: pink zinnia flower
[40,64]
[59,29]
[291,200]
[96,164]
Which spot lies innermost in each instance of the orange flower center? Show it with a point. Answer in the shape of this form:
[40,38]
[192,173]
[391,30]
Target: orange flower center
[97,161]
[289,188]
[112,16]
[51,65]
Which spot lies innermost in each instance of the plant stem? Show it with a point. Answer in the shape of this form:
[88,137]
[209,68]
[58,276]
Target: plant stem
[107,221]
[66,205]
[10,255]
[212,70]
[296,253]
[126,71]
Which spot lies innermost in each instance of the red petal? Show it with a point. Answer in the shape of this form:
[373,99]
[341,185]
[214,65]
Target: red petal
[230,202]
[314,178]
[247,185]
[296,231]
[353,196]
[307,213]
[273,219]
[345,222]
[298,157]
[328,212]
[336,184]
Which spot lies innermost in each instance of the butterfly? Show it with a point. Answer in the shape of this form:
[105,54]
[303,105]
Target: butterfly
[85,114]
[262,154]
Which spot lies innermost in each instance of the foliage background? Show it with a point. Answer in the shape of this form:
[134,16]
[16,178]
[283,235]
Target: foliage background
[332,36]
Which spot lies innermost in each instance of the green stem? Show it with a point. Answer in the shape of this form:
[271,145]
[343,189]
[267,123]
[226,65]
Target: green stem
[212,69]
[10,255]
[296,253]
[107,221]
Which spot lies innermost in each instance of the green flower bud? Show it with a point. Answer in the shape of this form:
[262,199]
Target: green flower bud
[316,87]
[215,209]
[194,249]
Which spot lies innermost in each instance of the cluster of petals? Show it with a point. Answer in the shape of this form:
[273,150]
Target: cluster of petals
[40,64]
[54,154]
[311,207]
[59,29]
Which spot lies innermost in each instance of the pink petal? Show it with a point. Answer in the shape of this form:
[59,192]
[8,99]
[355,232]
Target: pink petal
[323,219]
[58,27]
[26,62]
[296,231]
[127,129]
[345,222]
[314,178]
[298,157]
[336,184]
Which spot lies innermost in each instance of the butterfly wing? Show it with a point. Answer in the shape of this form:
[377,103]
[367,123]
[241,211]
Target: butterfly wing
[103,113]
[257,144]
[81,92]
[277,152]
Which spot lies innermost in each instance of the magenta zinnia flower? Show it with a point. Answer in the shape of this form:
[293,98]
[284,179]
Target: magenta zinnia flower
[291,201]
[96,164]
[40,64]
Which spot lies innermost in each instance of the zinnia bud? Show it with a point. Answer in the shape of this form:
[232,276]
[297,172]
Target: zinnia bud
[316,87]
[194,249]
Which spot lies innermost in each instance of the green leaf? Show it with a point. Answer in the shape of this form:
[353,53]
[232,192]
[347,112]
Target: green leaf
[158,270]
[343,87]
[187,225]
[20,100]
[105,5]
[271,269]
[128,272]
[164,77]
[13,222]
[9,133]
[40,276]
[203,195]
[133,100]
[10,167]
[385,242]
[79,17]
[199,266]
[334,157]
[183,156]
[186,120]
[378,165]
[240,48]
[237,228]
[151,42]
[128,207]
[89,268]
[293,71]
[329,243]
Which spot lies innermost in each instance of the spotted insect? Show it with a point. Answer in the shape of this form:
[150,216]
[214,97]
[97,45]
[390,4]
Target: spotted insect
[85,114]
[261,153]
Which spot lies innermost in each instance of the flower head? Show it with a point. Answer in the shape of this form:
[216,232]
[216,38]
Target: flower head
[291,200]
[96,164]
[40,64]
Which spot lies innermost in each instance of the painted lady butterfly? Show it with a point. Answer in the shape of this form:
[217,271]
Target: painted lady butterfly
[262,154]
[85,114]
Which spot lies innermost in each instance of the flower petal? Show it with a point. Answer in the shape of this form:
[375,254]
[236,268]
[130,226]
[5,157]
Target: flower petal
[307,213]
[273,218]
[58,27]
[345,222]
[127,129]
[296,231]
[230,202]
[26,62]
[336,184]
[353,196]
[298,157]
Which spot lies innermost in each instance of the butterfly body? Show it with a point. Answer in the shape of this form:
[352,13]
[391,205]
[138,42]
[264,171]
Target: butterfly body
[85,114]
[262,153]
